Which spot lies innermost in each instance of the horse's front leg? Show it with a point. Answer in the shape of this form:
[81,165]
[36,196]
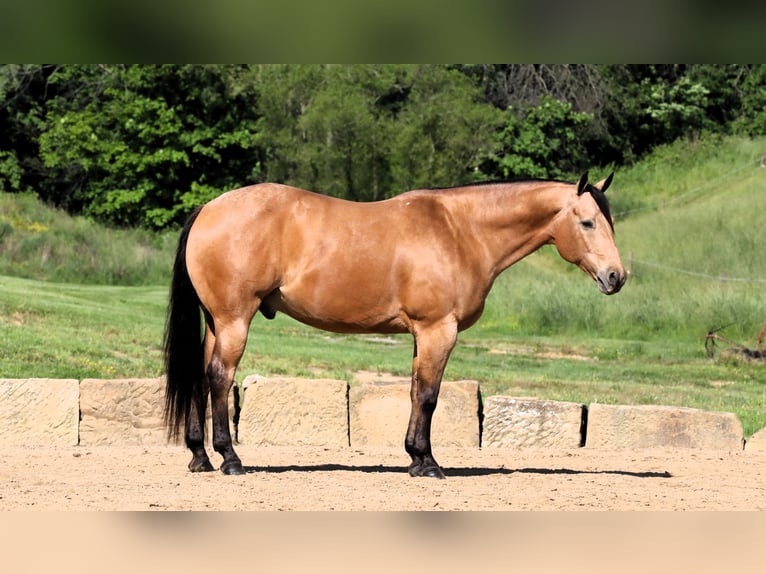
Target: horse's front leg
[433,346]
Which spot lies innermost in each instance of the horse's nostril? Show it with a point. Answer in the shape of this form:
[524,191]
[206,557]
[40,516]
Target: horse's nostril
[611,281]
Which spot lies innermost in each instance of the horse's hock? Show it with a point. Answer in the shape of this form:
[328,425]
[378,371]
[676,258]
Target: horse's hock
[372,411]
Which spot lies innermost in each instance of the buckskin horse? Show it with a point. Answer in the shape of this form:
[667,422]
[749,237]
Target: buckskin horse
[421,263]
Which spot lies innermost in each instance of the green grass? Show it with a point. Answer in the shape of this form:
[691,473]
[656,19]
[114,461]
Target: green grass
[72,331]
[79,331]
[688,214]
[43,243]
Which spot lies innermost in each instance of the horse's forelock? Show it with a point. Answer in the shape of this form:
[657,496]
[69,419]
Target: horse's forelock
[602,202]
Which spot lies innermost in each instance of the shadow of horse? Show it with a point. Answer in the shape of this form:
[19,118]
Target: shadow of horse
[455,472]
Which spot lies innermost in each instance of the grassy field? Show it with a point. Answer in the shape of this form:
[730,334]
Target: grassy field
[690,223]
[74,331]
[39,242]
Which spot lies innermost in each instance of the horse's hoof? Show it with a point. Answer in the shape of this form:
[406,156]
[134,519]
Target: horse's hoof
[427,471]
[432,472]
[232,468]
[200,465]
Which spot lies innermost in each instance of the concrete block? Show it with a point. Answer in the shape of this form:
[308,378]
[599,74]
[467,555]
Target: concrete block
[39,412]
[379,412]
[283,411]
[122,412]
[647,426]
[517,422]
[757,441]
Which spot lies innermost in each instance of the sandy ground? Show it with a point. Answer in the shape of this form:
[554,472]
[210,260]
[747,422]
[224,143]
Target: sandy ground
[155,478]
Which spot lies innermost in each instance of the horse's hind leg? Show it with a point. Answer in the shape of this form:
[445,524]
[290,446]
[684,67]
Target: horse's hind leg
[195,422]
[195,432]
[230,341]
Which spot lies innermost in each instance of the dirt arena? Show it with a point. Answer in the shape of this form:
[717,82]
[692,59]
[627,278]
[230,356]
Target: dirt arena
[155,478]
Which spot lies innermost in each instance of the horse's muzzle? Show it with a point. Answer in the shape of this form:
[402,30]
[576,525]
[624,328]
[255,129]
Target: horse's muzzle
[611,281]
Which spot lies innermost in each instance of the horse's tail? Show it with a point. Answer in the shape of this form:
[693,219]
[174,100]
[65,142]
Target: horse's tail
[184,358]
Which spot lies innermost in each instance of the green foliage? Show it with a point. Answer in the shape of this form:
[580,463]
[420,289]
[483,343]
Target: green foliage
[366,132]
[541,142]
[142,145]
[23,94]
[678,109]
[154,141]
[324,128]
[443,133]
[10,171]
[753,119]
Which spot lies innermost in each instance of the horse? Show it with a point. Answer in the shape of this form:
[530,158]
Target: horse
[422,263]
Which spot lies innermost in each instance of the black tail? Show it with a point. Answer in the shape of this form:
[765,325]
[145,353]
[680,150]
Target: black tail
[184,356]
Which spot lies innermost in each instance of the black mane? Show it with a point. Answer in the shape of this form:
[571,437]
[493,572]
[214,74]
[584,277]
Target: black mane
[598,195]
[487,183]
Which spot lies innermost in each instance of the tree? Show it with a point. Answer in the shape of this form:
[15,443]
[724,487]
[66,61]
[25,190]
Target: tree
[144,144]
[525,85]
[151,142]
[366,132]
[443,131]
[327,128]
[24,89]
[542,141]
[752,120]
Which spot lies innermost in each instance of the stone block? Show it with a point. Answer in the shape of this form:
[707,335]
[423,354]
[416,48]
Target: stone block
[379,412]
[648,426]
[122,412]
[519,422]
[281,411]
[39,412]
[757,441]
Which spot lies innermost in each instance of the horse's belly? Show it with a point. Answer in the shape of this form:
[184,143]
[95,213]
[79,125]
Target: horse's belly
[343,313]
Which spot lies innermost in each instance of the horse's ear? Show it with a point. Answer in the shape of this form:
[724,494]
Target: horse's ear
[605,183]
[582,184]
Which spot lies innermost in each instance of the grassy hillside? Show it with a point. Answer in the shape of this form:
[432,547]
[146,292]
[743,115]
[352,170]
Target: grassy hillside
[689,224]
[687,215]
[39,242]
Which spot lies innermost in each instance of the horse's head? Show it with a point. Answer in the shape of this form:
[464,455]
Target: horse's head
[583,233]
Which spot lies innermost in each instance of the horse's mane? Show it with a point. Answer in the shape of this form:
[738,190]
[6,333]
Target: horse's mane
[487,183]
[599,196]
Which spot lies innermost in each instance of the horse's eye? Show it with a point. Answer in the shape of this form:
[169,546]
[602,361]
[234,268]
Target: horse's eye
[588,224]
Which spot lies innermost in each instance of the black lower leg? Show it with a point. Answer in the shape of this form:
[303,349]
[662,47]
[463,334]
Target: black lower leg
[418,445]
[231,463]
[195,435]
[219,391]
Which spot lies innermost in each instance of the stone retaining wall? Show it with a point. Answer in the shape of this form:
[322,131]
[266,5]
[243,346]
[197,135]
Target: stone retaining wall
[326,412]
[39,412]
[294,412]
[380,410]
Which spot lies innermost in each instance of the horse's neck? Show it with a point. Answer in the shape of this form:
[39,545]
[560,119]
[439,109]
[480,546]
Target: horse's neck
[512,221]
